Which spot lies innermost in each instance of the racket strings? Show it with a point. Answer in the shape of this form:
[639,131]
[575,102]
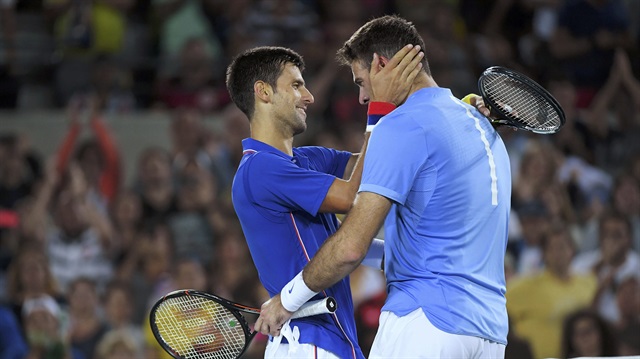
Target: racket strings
[199,328]
[533,110]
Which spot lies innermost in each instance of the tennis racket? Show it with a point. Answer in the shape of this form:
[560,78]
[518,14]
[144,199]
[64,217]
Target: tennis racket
[194,325]
[520,102]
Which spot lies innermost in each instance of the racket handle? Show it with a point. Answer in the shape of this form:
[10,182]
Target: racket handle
[321,306]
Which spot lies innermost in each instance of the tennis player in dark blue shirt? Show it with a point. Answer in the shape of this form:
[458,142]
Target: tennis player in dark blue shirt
[286,197]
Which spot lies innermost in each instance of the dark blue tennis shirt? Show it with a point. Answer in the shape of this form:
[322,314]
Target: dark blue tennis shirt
[277,198]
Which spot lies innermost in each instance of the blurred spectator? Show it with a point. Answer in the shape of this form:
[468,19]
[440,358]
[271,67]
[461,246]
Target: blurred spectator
[190,229]
[117,344]
[448,60]
[575,138]
[118,314]
[612,262]
[535,222]
[587,34]
[628,327]
[20,173]
[155,185]
[613,117]
[586,334]
[537,170]
[537,304]
[180,21]
[235,129]
[192,82]
[86,328]
[110,87]
[626,201]
[12,343]
[98,157]
[279,22]
[517,347]
[188,273]
[126,217]
[232,267]
[192,141]
[45,331]
[79,239]
[29,277]
[152,276]
[83,30]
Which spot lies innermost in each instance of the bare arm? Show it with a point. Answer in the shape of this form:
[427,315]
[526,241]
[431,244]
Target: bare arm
[341,194]
[602,102]
[392,81]
[337,257]
[344,251]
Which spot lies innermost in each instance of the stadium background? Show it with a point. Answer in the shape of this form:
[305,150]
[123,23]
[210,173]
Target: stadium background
[118,144]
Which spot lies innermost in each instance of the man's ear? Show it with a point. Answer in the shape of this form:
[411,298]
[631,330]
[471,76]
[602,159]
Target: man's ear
[262,90]
[383,62]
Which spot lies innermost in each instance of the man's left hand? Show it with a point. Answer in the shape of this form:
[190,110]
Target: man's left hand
[272,317]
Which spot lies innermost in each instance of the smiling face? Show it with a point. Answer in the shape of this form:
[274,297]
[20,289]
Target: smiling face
[290,100]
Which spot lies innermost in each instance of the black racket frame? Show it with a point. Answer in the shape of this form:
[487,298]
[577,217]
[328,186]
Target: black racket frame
[510,120]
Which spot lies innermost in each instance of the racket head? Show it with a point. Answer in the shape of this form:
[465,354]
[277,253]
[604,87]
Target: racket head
[519,101]
[189,324]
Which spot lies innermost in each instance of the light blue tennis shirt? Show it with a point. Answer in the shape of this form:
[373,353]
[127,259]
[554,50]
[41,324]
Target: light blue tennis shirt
[447,172]
[277,198]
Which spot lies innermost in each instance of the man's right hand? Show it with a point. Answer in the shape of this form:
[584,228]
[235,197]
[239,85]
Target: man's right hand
[391,80]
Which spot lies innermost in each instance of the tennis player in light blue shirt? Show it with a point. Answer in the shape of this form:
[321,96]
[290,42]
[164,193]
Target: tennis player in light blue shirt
[445,235]
[437,175]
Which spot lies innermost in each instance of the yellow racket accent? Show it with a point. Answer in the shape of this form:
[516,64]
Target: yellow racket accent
[199,328]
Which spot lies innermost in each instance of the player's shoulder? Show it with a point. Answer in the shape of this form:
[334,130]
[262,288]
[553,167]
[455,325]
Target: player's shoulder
[258,161]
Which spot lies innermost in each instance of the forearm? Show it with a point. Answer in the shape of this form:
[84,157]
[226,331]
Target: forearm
[341,253]
[66,149]
[346,249]
[342,193]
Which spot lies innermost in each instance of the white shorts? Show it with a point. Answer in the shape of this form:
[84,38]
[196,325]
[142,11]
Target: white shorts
[413,336]
[303,351]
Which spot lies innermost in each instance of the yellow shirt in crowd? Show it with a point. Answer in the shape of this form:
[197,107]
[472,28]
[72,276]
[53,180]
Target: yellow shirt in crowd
[538,304]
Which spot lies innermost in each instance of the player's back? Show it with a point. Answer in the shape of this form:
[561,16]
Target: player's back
[447,232]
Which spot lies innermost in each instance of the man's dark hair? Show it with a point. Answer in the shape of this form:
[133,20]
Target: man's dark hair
[385,36]
[257,64]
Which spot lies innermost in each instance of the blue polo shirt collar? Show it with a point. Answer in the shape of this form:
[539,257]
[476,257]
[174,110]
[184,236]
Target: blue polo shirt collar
[251,145]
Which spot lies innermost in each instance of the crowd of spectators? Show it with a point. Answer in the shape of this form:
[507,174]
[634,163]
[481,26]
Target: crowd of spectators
[84,253]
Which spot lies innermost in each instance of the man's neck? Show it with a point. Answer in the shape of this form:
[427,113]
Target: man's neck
[422,81]
[276,137]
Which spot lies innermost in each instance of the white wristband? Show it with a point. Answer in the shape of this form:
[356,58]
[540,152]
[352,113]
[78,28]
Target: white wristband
[295,293]
[369,128]
[375,255]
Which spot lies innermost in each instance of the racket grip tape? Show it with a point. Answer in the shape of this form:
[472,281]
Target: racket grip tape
[321,306]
